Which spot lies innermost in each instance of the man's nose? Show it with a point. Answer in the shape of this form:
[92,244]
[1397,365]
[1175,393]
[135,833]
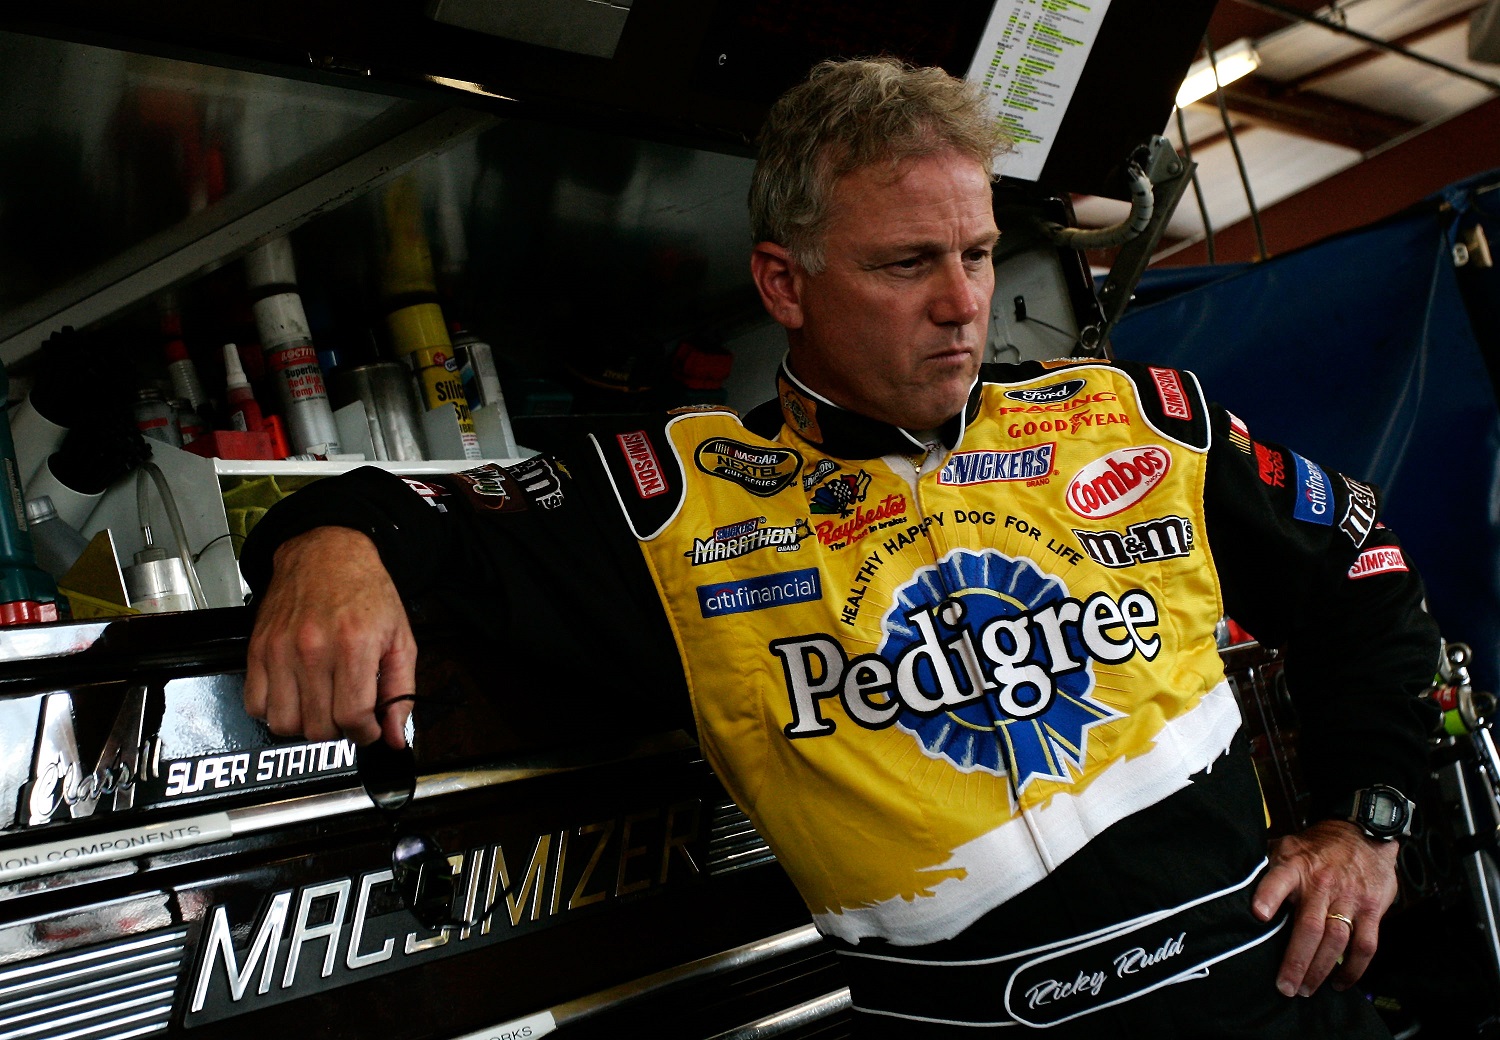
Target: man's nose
[960,295]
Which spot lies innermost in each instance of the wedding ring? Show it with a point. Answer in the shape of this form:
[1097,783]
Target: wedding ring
[1341,917]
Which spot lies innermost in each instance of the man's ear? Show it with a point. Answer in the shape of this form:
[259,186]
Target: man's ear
[779,280]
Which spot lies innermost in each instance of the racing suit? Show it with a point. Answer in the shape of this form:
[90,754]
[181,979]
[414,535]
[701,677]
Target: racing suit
[965,684]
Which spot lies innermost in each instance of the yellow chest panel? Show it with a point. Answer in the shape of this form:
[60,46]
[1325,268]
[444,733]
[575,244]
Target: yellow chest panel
[924,658]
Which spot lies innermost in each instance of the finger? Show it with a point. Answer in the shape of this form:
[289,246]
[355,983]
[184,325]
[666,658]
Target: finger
[352,696]
[1358,954]
[398,678]
[255,681]
[283,703]
[1335,940]
[1307,936]
[1273,890]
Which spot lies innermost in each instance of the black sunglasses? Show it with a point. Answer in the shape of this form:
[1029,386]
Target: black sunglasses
[420,870]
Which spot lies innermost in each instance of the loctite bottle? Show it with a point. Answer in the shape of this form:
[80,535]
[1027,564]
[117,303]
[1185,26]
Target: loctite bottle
[290,354]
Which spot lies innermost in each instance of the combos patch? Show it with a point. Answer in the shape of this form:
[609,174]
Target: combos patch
[760,471]
[988,467]
[645,467]
[1113,483]
[760,593]
[735,540]
[1384,560]
[1174,399]
[1150,541]
[1048,394]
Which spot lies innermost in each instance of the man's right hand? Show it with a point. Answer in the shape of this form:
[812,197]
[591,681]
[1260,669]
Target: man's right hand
[331,640]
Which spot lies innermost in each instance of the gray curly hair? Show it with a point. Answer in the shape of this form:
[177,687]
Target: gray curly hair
[847,115]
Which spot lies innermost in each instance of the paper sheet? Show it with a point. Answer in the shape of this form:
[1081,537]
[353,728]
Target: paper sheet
[1028,63]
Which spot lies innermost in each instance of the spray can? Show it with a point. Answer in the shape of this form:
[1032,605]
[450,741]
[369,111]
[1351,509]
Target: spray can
[415,319]
[287,341]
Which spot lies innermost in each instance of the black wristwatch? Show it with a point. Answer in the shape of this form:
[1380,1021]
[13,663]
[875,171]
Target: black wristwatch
[1381,811]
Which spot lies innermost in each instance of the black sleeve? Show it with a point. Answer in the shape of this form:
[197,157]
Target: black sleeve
[532,561]
[1306,565]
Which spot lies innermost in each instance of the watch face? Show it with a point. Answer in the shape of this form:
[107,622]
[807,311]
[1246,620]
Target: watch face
[1384,812]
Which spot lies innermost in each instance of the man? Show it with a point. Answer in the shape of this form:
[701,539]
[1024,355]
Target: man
[948,633]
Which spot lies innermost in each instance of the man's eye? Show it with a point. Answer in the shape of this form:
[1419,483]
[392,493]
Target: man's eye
[909,263]
[977,256]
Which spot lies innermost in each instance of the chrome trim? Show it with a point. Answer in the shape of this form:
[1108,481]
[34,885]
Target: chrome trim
[255,819]
[81,994]
[793,1017]
[714,964]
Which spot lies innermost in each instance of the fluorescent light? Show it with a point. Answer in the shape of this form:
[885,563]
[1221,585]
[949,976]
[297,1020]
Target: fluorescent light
[1234,62]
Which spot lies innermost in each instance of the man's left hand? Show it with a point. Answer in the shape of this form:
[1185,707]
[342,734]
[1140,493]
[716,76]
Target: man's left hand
[1332,872]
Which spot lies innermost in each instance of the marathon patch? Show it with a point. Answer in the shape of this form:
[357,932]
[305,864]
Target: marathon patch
[748,536]
[1385,560]
[762,471]
[1048,394]
[989,467]
[645,467]
[1174,400]
[1314,503]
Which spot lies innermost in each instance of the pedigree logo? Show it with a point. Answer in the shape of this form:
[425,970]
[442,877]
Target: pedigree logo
[1117,481]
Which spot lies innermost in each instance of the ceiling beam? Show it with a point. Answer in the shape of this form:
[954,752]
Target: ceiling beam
[1384,184]
[1312,115]
[1293,14]
[1405,42]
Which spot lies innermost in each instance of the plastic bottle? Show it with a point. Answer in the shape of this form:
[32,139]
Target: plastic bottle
[56,544]
[244,410]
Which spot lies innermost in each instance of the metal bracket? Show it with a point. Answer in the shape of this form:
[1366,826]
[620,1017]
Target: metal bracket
[1170,177]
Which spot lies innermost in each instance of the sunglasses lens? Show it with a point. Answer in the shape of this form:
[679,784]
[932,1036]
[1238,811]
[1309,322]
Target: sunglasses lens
[424,878]
[389,775]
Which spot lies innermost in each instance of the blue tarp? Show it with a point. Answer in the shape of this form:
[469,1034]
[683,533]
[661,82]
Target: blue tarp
[1359,353]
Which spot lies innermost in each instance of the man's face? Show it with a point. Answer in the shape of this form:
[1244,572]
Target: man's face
[894,327]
